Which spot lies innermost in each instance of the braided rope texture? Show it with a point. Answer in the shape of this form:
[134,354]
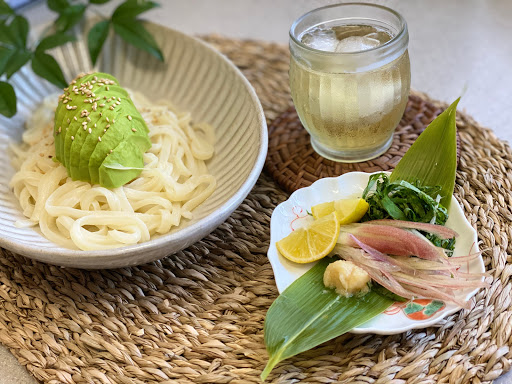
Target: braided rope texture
[197,316]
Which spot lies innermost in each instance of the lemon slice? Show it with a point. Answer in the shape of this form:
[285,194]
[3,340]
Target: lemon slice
[311,243]
[321,210]
[350,210]
[347,210]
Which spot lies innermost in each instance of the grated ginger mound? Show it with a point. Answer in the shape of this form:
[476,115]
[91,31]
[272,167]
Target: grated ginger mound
[346,278]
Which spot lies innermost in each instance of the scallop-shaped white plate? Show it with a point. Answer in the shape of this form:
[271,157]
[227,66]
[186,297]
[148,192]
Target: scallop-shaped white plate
[292,214]
[195,78]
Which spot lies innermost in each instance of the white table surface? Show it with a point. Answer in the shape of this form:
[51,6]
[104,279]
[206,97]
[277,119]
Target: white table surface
[452,43]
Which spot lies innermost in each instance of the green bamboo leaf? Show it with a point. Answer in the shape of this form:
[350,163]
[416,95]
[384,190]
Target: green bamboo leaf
[307,314]
[5,56]
[18,59]
[47,67]
[133,32]
[432,159]
[58,5]
[98,1]
[69,17]
[53,41]
[96,38]
[130,9]
[7,99]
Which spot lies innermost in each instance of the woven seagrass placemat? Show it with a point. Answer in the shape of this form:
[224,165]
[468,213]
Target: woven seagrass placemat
[197,316]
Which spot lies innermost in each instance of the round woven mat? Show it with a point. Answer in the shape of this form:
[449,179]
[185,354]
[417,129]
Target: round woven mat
[197,316]
[294,164]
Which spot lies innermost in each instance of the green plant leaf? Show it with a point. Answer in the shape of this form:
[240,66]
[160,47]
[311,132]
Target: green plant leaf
[307,314]
[133,32]
[5,34]
[5,9]
[130,9]
[18,59]
[53,41]
[47,67]
[69,17]
[432,159]
[58,5]
[7,99]
[5,56]
[98,1]
[18,31]
[96,38]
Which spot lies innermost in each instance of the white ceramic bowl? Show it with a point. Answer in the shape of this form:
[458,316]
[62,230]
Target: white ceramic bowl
[195,78]
[292,214]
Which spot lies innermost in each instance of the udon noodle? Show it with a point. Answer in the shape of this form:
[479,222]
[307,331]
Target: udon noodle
[76,214]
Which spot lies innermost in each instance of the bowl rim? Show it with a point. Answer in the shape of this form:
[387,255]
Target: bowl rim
[181,236]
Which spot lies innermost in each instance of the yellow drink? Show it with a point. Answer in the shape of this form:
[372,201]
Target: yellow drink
[349,96]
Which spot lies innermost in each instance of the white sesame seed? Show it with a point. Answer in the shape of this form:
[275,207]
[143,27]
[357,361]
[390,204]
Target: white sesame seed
[134,130]
[109,100]
[129,118]
[88,118]
[90,130]
[105,130]
[108,126]
[107,119]
[99,138]
[75,118]
[72,137]
[68,107]
[111,108]
[111,150]
[113,121]
[60,129]
[108,88]
[94,125]
[117,103]
[102,105]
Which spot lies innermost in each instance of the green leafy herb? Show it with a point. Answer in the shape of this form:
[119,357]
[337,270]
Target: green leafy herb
[53,41]
[47,67]
[133,32]
[96,38]
[5,10]
[14,31]
[307,314]
[69,17]
[130,9]
[400,200]
[7,99]
[432,159]
[58,5]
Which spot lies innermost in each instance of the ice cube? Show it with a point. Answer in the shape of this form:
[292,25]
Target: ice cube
[320,38]
[356,44]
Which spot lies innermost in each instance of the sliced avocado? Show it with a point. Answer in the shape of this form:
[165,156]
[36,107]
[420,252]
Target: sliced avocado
[94,129]
[66,111]
[123,165]
[123,130]
[92,140]
[113,129]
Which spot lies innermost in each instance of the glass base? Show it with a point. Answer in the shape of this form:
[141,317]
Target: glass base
[353,156]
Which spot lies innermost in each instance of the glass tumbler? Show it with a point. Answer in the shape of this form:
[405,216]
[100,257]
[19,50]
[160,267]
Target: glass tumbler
[350,78]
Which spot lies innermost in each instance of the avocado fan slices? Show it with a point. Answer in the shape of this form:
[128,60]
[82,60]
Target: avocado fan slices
[100,137]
